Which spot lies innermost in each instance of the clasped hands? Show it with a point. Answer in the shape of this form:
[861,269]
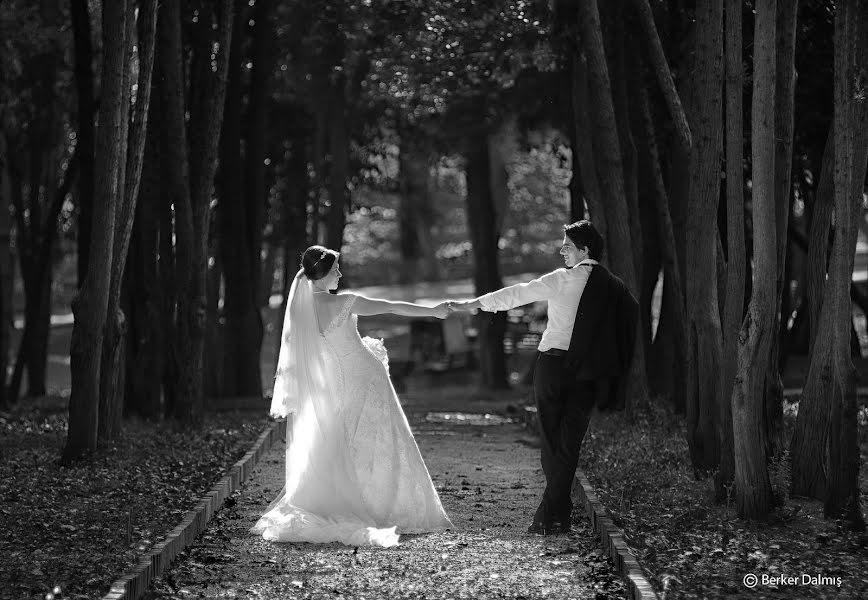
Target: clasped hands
[444,309]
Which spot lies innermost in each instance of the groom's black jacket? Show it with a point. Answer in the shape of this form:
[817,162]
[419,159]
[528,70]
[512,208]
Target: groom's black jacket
[604,333]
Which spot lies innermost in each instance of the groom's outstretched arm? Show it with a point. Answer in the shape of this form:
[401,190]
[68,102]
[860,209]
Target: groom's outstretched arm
[542,288]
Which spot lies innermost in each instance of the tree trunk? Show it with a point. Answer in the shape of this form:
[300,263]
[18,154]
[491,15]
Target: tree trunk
[623,75]
[239,371]
[481,218]
[146,363]
[825,459]
[37,222]
[166,303]
[811,430]
[144,369]
[417,248]
[175,213]
[703,315]
[207,93]
[180,309]
[114,345]
[36,350]
[785,83]
[336,218]
[89,308]
[584,147]
[215,343]
[673,291]
[752,487]
[611,171]
[256,158]
[843,494]
[818,236]
[7,274]
[294,217]
[733,311]
[577,185]
[81,31]
[36,247]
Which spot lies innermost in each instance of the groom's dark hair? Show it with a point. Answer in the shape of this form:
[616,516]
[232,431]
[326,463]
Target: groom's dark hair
[585,235]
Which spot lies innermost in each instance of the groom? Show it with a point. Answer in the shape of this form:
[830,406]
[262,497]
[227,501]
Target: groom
[588,342]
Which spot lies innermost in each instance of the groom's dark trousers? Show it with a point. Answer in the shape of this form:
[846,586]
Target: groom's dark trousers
[566,384]
[564,406]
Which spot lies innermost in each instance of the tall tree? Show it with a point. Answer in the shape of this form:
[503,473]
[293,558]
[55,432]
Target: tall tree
[208,73]
[673,288]
[81,31]
[826,426]
[703,316]
[239,242]
[752,487]
[36,166]
[112,383]
[785,83]
[583,147]
[611,170]
[733,311]
[6,269]
[485,234]
[91,306]
[258,176]
[417,252]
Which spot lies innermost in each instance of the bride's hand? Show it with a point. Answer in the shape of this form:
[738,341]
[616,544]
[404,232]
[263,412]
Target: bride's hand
[441,311]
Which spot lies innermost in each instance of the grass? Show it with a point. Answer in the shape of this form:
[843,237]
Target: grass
[696,548]
[81,527]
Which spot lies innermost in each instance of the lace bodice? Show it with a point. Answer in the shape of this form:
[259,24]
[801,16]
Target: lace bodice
[343,339]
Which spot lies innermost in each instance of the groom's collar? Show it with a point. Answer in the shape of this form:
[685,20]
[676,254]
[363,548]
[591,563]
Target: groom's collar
[587,261]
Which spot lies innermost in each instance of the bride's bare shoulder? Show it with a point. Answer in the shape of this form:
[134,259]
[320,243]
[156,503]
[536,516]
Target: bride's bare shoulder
[332,300]
[330,305]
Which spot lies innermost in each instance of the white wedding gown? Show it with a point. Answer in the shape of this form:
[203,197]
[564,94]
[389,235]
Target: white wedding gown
[354,474]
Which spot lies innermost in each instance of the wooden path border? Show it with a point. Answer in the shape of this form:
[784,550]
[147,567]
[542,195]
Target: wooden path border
[612,541]
[135,582]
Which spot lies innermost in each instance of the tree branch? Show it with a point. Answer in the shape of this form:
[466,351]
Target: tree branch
[663,72]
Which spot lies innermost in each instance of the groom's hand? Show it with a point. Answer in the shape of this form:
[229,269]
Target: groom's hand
[464,305]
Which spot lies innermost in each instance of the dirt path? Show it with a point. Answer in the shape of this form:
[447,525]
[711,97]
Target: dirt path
[489,481]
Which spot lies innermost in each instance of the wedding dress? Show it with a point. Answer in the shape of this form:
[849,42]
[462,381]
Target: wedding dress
[354,473]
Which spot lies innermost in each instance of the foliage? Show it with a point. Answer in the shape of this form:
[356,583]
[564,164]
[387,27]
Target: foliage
[109,510]
[696,548]
[538,176]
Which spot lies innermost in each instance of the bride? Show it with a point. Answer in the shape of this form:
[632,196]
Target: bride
[353,471]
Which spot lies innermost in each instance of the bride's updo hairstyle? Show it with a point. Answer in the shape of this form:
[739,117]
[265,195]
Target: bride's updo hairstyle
[317,261]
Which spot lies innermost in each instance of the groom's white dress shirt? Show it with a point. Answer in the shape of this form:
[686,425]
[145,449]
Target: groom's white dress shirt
[562,289]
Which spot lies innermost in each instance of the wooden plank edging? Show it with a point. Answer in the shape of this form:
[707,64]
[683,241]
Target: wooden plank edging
[133,584]
[612,541]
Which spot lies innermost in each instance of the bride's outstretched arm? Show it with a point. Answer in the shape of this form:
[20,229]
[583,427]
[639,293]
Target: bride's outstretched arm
[376,306]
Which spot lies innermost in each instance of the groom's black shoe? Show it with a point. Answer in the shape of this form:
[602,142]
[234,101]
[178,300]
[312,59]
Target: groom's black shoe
[560,528]
[539,528]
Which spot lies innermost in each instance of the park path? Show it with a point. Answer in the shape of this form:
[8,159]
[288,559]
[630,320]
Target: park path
[489,481]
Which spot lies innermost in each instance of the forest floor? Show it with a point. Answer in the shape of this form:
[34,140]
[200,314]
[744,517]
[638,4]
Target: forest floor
[696,548]
[80,527]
